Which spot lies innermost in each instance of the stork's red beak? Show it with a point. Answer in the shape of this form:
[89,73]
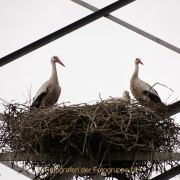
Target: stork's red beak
[140,62]
[60,62]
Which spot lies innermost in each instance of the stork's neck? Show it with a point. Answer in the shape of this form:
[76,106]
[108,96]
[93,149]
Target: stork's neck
[136,71]
[54,77]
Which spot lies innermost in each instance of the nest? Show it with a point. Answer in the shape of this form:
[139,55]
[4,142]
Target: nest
[91,131]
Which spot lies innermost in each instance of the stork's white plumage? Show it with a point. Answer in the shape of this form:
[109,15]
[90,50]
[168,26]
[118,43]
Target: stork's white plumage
[124,99]
[49,92]
[140,89]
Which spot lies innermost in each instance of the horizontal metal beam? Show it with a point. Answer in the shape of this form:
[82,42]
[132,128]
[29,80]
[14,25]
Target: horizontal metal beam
[131,27]
[129,156]
[21,156]
[114,157]
[144,156]
[62,32]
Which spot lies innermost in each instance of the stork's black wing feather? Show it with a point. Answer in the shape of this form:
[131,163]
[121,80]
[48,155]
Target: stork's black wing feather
[152,96]
[37,102]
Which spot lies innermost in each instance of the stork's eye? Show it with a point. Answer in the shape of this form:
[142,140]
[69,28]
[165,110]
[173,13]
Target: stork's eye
[55,57]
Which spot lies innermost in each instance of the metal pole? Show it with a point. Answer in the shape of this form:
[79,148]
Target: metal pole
[62,32]
[168,174]
[131,27]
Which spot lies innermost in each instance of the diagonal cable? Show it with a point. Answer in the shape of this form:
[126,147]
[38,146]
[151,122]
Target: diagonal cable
[131,27]
[65,30]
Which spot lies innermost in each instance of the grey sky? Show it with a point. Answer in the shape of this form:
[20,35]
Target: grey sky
[99,57]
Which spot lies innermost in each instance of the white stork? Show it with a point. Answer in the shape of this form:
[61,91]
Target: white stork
[126,97]
[140,89]
[49,92]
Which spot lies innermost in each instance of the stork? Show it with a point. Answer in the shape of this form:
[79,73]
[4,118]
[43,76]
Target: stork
[49,92]
[126,97]
[140,89]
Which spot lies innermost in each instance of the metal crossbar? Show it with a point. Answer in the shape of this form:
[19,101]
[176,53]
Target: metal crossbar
[62,32]
[131,27]
[114,157]
[168,174]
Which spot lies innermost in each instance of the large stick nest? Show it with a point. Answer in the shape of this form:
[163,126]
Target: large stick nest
[89,130]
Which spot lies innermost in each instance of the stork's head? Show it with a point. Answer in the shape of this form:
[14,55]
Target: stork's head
[125,93]
[55,59]
[126,96]
[138,61]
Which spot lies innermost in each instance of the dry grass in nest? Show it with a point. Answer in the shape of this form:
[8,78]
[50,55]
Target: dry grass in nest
[90,130]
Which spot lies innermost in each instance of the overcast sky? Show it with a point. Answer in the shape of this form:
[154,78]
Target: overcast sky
[99,57]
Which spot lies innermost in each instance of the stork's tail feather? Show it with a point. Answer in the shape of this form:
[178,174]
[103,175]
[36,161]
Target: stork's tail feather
[37,102]
[152,96]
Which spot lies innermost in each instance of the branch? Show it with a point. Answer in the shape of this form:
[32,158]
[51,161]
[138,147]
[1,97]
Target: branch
[116,157]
